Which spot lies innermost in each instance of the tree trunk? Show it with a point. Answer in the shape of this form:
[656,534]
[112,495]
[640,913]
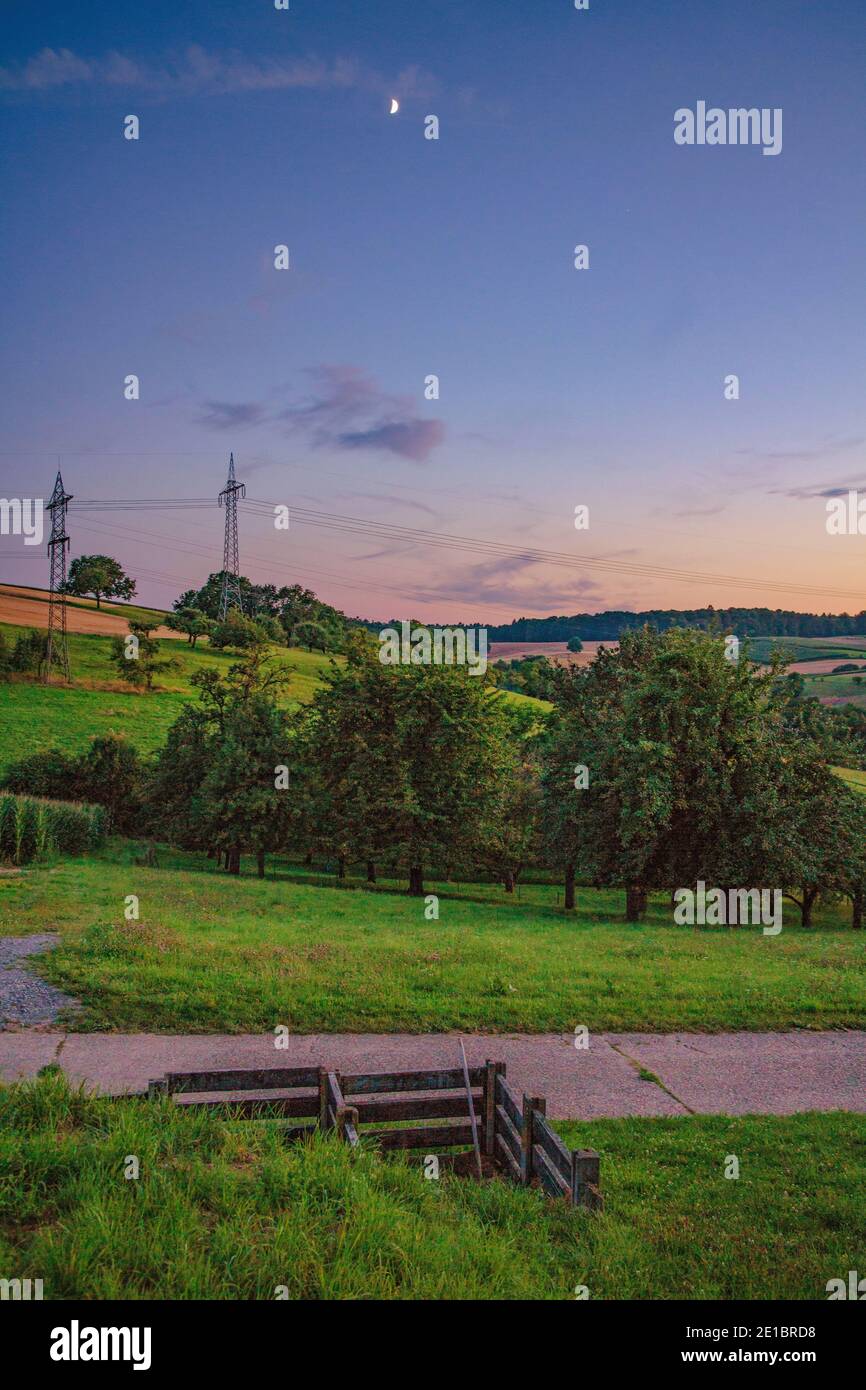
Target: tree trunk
[635,903]
[509,881]
[260,863]
[235,861]
[341,867]
[857,909]
[308,859]
[371,871]
[416,881]
[569,886]
[809,896]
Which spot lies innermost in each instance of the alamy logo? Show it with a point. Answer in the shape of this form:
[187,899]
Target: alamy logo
[736,126]
[856,1288]
[846,516]
[737,907]
[22,516]
[77,1343]
[21,1290]
[434,646]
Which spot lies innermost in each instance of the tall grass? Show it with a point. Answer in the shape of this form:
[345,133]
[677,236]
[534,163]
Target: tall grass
[228,1209]
[33,827]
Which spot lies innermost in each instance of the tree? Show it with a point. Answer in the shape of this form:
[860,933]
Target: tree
[575,644]
[216,784]
[685,768]
[235,630]
[98,575]
[402,760]
[191,621]
[135,656]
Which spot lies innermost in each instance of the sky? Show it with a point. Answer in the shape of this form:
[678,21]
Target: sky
[411,257]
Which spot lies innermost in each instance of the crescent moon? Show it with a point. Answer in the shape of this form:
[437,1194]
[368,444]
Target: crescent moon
[395,106]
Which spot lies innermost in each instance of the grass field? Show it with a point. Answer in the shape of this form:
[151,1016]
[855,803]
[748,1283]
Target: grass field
[807,648]
[34,716]
[227,1210]
[212,953]
[841,690]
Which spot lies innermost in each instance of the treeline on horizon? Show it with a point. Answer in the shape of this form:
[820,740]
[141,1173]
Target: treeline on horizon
[744,622]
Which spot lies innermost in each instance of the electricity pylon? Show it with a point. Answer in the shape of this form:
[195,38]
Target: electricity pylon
[231,593]
[57,649]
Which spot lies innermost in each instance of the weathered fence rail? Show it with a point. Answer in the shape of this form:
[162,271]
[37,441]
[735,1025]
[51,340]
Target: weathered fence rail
[513,1133]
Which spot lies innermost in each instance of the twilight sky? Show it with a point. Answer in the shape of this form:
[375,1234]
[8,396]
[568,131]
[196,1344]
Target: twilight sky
[410,257]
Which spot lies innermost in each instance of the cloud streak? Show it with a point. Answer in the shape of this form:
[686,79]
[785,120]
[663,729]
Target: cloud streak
[197,70]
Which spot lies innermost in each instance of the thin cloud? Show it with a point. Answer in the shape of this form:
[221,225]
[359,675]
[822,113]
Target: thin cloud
[197,70]
[409,439]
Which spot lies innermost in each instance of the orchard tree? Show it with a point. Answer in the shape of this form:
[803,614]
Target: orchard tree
[136,656]
[100,576]
[192,621]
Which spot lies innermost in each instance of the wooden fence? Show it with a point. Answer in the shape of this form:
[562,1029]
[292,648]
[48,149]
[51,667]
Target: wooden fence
[515,1135]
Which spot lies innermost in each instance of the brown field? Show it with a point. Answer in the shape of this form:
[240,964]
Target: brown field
[29,608]
[554,651]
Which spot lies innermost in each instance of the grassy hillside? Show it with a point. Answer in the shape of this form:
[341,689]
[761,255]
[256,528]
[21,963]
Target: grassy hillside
[228,1210]
[212,953]
[35,716]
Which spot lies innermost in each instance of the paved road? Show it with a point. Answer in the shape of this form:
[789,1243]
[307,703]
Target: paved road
[733,1073]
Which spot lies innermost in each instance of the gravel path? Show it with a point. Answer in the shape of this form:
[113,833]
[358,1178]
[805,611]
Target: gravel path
[26,1000]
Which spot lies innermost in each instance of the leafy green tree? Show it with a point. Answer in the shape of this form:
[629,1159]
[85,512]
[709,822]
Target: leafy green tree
[413,767]
[137,660]
[575,644]
[100,576]
[191,621]
[684,752]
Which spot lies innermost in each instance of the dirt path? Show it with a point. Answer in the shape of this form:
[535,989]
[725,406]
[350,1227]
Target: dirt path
[683,1073]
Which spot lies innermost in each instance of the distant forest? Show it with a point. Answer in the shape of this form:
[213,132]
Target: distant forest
[745,622]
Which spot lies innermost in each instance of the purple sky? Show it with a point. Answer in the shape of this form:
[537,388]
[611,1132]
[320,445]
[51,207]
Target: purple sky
[411,257]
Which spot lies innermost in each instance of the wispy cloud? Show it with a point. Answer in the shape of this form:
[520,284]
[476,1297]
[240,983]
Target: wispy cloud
[806,492]
[196,70]
[345,409]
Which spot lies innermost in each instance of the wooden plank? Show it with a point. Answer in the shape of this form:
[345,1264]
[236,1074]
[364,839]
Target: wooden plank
[503,1152]
[509,1102]
[242,1079]
[293,1106]
[334,1091]
[553,1146]
[551,1180]
[423,1136]
[531,1104]
[492,1070]
[435,1107]
[508,1132]
[292,1132]
[586,1179]
[347,1124]
[365,1083]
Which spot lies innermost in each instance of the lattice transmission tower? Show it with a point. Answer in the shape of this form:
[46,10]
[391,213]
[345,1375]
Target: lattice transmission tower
[231,594]
[57,648]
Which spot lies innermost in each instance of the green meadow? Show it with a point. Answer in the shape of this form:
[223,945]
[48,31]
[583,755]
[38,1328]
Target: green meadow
[225,1209]
[34,717]
[215,953]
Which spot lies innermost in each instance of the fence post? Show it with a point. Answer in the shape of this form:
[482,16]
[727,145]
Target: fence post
[323,1098]
[492,1070]
[586,1179]
[530,1103]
